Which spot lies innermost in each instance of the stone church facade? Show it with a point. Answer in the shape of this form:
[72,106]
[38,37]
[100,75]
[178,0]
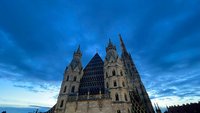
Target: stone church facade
[110,86]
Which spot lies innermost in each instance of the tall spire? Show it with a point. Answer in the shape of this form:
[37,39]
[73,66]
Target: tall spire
[123,48]
[78,50]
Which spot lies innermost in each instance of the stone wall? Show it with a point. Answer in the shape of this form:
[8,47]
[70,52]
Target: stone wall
[96,106]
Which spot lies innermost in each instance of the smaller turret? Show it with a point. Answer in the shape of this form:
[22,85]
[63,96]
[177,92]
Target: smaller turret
[70,84]
[110,46]
[78,52]
[114,75]
[111,53]
[76,61]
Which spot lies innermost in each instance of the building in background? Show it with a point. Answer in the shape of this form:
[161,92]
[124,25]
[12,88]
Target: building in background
[185,108]
[110,86]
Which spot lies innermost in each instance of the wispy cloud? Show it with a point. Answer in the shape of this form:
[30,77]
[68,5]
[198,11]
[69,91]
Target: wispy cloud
[37,40]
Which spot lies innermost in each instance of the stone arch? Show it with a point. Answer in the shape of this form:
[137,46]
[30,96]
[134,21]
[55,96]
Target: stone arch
[73,89]
[65,88]
[107,85]
[75,78]
[61,103]
[125,97]
[106,75]
[113,73]
[115,83]
[123,84]
[67,78]
[118,111]
[116,97]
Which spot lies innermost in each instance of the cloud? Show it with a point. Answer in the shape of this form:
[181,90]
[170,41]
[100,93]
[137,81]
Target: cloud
[178,86]
[37,87]
[37,40]
[30,88]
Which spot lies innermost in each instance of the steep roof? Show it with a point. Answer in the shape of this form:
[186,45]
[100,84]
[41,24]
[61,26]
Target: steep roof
[93,78]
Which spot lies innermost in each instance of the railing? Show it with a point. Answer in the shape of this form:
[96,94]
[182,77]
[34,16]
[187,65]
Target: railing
[89,97]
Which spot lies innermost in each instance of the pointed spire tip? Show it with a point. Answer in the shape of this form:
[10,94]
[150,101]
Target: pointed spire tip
[123,48]
[78,50]
[120,36]
[110,42]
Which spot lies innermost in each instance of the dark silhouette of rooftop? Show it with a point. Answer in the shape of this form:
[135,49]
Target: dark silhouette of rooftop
[93,77]
[185,108]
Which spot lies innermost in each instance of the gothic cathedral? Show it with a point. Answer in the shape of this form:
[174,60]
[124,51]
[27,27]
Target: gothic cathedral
[110,86]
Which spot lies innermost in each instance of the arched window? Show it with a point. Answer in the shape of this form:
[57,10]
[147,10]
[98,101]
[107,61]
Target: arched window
[118,111]
[106,75]
[61,104]
[67,78]
[64,89]
[107,84]
[113,73]
[125,97]
[114,83]
[73,88]
[123,84]
[75,78]
[116,97]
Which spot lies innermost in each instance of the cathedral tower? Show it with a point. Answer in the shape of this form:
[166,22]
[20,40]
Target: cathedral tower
[116,81]
[134,79]
[71,81]
[109,86]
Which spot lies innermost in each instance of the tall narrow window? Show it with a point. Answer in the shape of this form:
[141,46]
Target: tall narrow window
[67,78]
[61,104]
[129,111]
[121,73]
[125,97]
[64,89]
[107,84]
[114,83]
[118,111]
[113,73]
[73,88]
[116,97]
[123,84]
[106,75]
[75,78]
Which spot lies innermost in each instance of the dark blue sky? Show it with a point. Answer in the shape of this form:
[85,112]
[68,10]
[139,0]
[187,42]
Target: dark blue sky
[38,37]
